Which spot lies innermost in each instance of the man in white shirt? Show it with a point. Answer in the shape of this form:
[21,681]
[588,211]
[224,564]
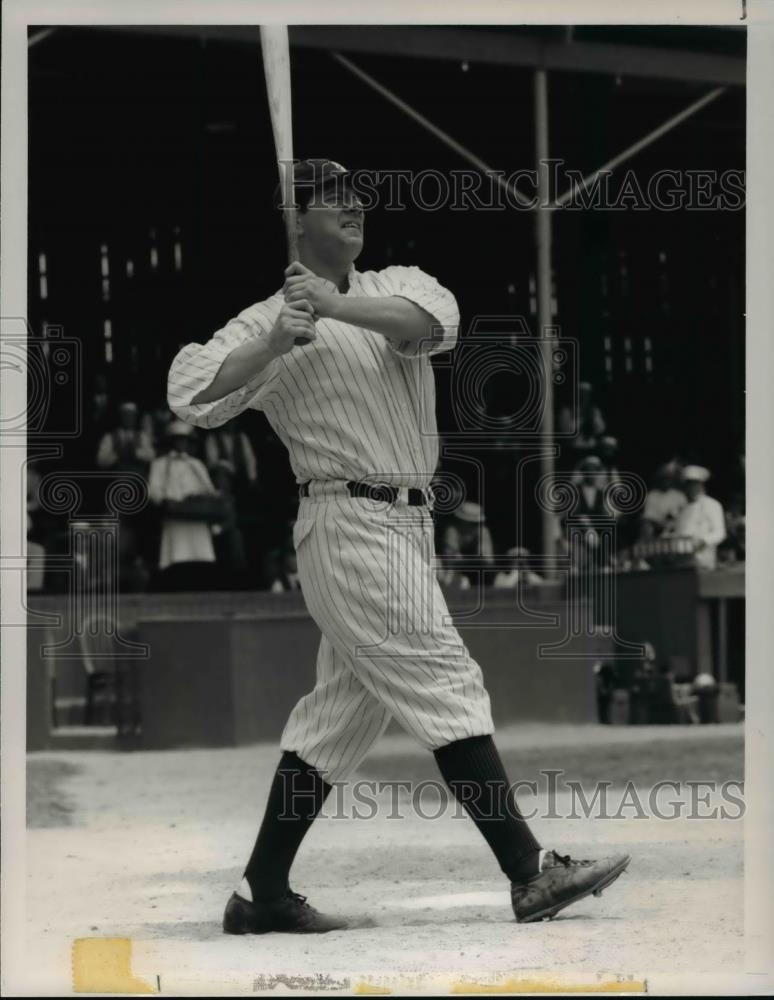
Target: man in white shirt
[663,502]
[339,362]
[173,478]
[126,447]
[701,519]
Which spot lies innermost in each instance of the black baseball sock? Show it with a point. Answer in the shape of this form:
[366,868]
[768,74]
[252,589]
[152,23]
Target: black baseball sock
[296,797]
[473,770]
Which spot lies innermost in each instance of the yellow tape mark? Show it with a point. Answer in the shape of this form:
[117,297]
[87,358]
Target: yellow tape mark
[104,965]
[552,986]
[367,989]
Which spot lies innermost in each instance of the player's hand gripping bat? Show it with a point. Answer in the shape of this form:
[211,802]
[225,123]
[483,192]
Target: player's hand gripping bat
[276,68]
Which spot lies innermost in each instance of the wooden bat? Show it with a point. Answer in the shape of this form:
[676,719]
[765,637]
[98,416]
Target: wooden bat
[276,69]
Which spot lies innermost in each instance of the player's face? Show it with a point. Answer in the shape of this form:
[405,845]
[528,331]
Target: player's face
[332,226]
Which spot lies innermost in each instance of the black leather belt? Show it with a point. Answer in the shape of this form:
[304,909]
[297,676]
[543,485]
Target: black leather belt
[378,492]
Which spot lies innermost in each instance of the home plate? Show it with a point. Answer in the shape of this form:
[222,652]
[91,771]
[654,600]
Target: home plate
[451,899]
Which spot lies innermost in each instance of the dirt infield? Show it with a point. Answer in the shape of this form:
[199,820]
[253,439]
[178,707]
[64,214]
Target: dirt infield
[148,846]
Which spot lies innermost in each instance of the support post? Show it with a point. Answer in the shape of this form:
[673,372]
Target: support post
[543,281]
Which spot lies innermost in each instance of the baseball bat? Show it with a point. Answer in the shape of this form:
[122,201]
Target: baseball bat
[276,69]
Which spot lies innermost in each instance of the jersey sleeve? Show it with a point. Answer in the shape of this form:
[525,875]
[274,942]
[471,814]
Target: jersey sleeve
[425,291]
[195,366]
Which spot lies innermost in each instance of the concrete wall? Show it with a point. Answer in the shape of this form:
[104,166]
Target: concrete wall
[225,669]
[214,682]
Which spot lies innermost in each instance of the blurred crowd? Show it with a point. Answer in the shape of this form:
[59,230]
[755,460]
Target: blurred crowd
[206,527]
[680,523]
[207,524]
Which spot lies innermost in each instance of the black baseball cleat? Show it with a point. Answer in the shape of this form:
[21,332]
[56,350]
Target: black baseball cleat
[562,881]
[290,914]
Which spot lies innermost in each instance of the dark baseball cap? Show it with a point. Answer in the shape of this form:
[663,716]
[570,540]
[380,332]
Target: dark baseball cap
[311,176]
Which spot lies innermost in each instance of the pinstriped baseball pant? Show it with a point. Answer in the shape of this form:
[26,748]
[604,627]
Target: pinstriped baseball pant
[388,648]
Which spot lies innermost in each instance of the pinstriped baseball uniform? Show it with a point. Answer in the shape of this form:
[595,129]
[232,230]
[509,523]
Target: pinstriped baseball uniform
[353,405]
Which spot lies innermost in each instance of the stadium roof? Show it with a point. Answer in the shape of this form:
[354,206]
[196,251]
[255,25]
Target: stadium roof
[705,54]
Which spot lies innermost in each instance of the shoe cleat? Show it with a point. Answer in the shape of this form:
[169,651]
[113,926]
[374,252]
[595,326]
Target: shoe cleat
[289,914]
[561,882]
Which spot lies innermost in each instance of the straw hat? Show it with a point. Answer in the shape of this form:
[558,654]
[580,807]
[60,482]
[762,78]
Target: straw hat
[179,428]
[469,511]
[696,474]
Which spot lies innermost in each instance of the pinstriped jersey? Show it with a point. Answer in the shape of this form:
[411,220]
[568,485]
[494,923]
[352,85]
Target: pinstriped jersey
[351,404]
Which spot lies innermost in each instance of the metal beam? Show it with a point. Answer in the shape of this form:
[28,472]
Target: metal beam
[505,47]
[444,137]
[646,140]
[39,36]
[510,49]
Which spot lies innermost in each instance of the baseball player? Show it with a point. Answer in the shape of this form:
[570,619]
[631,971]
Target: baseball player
[339,362]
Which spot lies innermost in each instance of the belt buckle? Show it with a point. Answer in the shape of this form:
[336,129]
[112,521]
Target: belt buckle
[382,493]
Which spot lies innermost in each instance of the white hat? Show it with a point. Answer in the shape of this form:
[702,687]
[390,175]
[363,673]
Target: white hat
[469,511]
[518,550]
[696,473]
[179,428]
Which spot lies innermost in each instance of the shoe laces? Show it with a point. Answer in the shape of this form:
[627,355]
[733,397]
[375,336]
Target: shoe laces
[301,900]
[567,861]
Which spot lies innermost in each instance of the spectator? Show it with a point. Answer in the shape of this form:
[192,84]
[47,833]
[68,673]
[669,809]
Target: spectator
[590,514]
[154,423]
[519,573]
[176,478]
[591,490]
[285,572]
[33,497]
[36,561]
[99,407]
[628,560]
[229,443]
[280,567]
[642,685]
[590,426]
[607,450]
[701,519]
[43,529]
[126,448]
[606,684]
[663,503]
[36,567]
[664,709]
[466,534]
[133,573]
[227,536]
[733,548]
[450,577]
